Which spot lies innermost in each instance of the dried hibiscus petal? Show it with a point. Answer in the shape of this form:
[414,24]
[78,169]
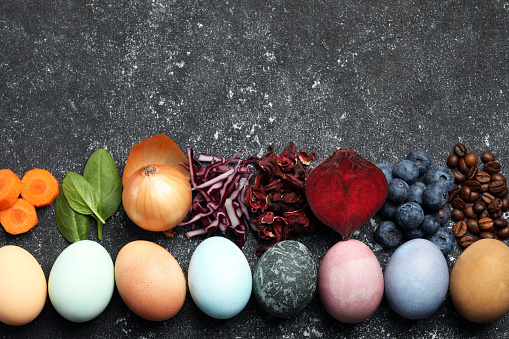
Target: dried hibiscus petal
[277,199]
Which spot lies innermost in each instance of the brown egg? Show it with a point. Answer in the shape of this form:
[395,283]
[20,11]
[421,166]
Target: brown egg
[479,281]
[149,280]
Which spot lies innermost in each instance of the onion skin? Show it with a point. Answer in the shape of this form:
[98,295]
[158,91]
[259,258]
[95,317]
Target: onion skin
[157,197]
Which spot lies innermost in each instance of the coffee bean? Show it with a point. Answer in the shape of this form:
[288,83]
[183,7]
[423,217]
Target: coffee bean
[452,160]
[495,205]
[460,150]
[474,185]
[484,188]
[469,212]
[460,229]
[462,166]
[497,186]
[471,173]
[487,197]
[485,223]
[472,226]
[501,223]
[471,159]
[497,177]
[458,176]
[487,157]
[479,206]
[503,233]
[492,167]
[485,214]
[454,193]
[502,194]
[505,204]
[474,196]
[488,235]
[483,177]
[465,193]
[496,214]
[466,241]
[457,214]
[458,203]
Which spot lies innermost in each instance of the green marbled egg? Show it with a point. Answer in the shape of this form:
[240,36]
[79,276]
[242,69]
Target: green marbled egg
[285,279]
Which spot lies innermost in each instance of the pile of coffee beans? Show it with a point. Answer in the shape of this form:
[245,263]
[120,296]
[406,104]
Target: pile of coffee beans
[479,198]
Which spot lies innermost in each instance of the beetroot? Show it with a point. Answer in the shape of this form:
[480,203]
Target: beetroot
[345,190]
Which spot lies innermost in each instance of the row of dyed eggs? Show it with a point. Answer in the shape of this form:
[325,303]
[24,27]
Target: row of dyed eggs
[153,286]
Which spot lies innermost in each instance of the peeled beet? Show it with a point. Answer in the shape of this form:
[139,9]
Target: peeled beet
[345,191]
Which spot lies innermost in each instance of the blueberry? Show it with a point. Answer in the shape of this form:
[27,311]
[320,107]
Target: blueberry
[444,239]
[406,170]
[430,224]
[443,215]
[398,190]
[440,174]
[413,233]
[387,170]
[435,196]
[409,215]
[388,209]
[422,159]
[388,235]
[415,193]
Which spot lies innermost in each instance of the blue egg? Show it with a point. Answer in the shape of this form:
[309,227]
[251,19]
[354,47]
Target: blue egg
[416,279]
[219,278]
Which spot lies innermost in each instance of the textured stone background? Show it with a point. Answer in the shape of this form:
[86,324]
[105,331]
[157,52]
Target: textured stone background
[383,77]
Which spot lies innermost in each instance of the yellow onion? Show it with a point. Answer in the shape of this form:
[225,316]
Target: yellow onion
[157,197]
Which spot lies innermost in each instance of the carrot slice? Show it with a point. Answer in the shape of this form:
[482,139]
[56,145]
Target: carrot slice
[10,188]
[158,149]
[19,218]
[39,187]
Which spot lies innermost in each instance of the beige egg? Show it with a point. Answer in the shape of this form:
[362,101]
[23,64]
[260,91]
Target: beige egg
[479,281]
[23,287]
[149,280]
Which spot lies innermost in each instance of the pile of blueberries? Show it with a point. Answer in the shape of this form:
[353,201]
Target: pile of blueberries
[416,204]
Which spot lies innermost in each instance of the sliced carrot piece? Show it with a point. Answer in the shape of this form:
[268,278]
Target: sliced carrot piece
[10,188]
[19,218]
[39,187]
[158,149]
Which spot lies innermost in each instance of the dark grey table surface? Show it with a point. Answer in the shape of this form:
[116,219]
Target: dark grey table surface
[383,77]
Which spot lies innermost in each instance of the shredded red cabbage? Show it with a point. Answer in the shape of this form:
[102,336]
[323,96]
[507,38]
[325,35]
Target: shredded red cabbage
[219,193]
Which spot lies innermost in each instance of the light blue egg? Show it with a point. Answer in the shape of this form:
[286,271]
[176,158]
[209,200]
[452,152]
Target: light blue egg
[81,281]
[219,278]
[416,279]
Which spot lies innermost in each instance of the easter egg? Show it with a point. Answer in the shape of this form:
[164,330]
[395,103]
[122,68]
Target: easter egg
[149,280]
[219,278]
[350,281]
[416,279]
[285,279]
[23,287]
[479,281]
[81,281]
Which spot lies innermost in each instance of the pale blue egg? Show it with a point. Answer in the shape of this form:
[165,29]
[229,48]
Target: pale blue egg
[416,279]
[219,278]
[81,281]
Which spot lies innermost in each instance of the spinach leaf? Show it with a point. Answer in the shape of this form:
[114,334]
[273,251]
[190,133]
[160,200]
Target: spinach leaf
[102,174]
[80,195]
[72,225]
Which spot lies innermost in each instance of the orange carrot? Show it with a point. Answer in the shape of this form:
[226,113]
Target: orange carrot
[10,188]
[19,218]
[39,187]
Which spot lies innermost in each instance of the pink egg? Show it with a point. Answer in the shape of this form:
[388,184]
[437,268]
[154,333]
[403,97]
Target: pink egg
[350,281]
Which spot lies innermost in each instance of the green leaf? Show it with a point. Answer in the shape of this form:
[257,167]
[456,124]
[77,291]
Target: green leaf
[72,225]
[102,174]
[80,195]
